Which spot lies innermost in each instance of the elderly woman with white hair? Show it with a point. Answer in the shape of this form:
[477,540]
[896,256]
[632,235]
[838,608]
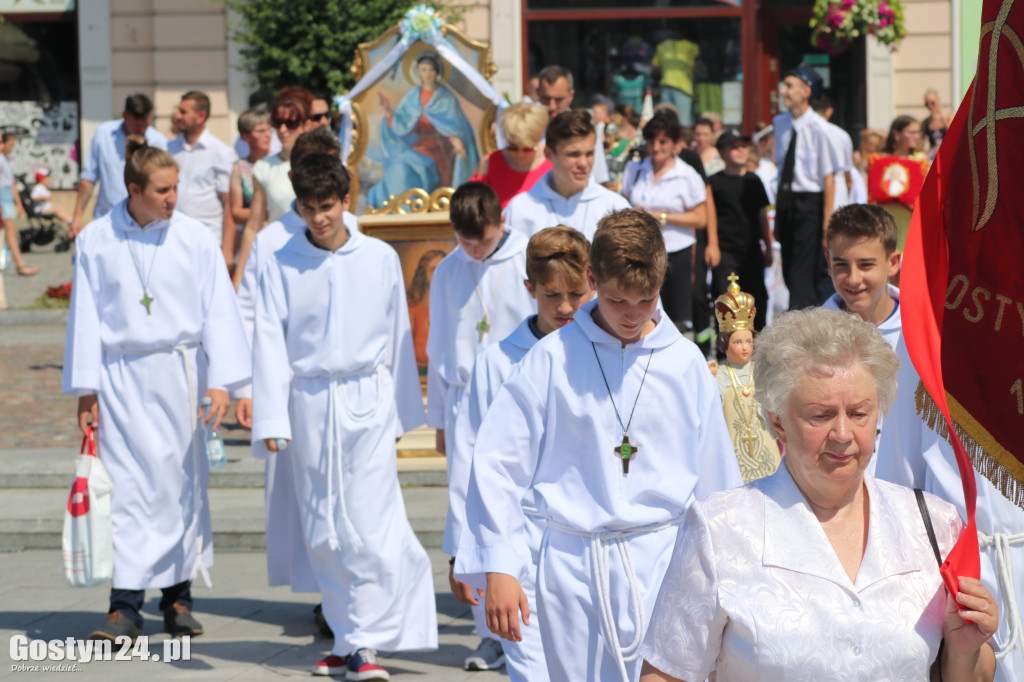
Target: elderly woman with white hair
[819,572]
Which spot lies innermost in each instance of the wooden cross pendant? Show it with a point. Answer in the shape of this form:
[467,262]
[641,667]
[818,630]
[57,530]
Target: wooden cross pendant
[482,328]
[626,451]
[147,301]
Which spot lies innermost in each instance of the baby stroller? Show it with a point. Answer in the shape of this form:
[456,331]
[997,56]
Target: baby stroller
[42,228]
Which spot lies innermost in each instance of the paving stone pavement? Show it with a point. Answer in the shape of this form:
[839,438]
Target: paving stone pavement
[252,632]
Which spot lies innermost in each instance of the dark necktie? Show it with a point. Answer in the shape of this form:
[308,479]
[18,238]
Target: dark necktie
[784,201]
[788,166]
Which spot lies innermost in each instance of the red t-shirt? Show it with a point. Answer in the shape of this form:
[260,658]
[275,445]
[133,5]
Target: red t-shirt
[508,182]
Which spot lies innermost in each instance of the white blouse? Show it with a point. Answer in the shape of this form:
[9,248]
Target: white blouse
[679,190]
[756,592]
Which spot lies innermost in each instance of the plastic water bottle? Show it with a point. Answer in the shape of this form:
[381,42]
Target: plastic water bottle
[214,442]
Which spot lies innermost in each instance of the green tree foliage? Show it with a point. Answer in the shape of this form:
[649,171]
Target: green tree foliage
[312,42]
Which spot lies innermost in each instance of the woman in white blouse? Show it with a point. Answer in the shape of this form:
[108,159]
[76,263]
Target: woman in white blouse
[673,192]
[818,572]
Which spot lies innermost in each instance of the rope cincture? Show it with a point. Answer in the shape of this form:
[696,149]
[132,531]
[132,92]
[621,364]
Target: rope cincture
[600,545]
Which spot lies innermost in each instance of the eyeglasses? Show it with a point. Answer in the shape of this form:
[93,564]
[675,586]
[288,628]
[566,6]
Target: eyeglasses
[316,118]
[291,123]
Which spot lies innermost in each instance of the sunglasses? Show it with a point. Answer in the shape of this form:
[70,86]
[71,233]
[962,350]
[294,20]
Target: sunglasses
[513,149]
[291,123]
[319,117]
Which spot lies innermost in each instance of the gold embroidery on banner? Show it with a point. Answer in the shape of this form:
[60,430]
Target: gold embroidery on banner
[989,458]
[998,29]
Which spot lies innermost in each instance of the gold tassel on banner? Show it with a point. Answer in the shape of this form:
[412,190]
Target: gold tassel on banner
[989,458]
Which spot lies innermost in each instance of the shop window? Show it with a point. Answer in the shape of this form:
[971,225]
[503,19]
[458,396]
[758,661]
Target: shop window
[39,94]
[700,61]
[617,4]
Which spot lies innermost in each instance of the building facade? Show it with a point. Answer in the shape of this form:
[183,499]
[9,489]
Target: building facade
[66,65]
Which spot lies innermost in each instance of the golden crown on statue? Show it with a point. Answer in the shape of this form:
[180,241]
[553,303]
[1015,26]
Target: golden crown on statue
[735,309]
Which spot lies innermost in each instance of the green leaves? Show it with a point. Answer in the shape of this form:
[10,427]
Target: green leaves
[308,42]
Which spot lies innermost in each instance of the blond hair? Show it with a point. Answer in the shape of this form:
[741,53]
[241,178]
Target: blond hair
[523,124]
[140,160]
[629,249]
[558,251]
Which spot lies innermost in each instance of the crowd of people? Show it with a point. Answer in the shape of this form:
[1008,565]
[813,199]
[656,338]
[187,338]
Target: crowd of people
[624,503]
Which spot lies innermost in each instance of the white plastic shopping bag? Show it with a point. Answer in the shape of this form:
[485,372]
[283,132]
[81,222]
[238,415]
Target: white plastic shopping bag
[88,542]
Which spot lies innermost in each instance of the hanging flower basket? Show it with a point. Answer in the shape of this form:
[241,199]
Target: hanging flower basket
[837,23]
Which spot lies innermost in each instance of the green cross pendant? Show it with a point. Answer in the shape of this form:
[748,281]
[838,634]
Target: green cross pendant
[482,328]
[147,301]
[626,451]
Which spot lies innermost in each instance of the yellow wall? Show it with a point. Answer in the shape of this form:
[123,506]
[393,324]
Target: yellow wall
[924,59]
[166,47]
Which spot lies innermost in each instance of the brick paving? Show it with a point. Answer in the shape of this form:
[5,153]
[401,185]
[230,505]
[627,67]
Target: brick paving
[35,414]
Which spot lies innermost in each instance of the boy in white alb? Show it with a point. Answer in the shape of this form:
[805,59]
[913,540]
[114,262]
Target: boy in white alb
[615,426]
[287,559]
[862,256]
[475,300]
[556,267]
[567,194]
[334,372]
[153,322]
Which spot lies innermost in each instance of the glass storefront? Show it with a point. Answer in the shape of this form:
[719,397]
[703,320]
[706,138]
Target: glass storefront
[39,91]
[612,48]
[696,64]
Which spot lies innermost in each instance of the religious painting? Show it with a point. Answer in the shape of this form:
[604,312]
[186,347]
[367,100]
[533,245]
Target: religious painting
[422,124]
[422,240]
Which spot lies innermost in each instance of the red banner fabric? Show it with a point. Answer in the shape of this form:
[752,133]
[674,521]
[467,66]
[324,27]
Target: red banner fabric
[962,286]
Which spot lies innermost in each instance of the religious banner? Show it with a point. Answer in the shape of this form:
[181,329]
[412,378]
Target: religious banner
[422,113]
[895,178]
[963,284]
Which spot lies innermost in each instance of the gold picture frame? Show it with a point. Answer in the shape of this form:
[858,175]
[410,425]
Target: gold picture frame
[368,111]
[421,239]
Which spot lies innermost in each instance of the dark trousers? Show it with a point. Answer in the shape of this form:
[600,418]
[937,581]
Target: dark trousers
[798,228]
[749,267]
[701,302]
[675,290]
[129,602]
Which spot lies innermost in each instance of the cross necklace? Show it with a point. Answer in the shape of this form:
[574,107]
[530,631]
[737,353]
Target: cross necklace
[625,450]
[484,326]
[146,299]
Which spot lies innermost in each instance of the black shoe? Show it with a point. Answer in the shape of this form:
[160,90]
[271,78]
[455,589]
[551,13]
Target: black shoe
[118,625]
[178,621]
[321,622]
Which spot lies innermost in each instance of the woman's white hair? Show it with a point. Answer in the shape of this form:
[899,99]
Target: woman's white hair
[801,340]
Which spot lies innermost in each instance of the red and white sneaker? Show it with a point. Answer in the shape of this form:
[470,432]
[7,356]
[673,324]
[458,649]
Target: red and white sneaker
[332,665]
[362,665]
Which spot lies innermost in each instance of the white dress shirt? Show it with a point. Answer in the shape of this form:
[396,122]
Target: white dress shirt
[679,190]
[104,163]
[816,157]
[755,590]
[843,146]
[204,173]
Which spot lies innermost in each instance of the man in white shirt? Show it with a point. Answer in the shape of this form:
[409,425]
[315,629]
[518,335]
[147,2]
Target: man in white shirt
[567,194]
[807,165]
[843,145]
[555,91]
[204,166]
[104,160]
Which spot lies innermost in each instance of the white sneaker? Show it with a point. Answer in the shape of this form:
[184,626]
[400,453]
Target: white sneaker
[488,656]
